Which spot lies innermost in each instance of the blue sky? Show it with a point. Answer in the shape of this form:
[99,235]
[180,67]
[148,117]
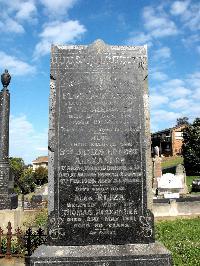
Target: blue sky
[28,27]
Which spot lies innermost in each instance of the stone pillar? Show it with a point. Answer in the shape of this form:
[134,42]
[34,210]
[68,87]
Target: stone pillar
[4,124]
[4,142]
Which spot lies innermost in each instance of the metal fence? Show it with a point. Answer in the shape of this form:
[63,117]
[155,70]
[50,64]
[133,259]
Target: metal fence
[18,243]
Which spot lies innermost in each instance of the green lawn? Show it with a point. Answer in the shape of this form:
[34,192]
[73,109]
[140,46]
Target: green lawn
[172,162]
[182,238]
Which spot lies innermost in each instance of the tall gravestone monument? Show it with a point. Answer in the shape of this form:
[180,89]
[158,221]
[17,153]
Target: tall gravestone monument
[99,159]
[6,184]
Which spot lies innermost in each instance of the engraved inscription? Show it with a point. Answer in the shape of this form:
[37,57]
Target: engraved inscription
[100,161]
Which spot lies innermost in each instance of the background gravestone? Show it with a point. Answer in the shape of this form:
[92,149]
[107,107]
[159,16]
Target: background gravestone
[180,171]
[99,158]
[173,185]
[157,169]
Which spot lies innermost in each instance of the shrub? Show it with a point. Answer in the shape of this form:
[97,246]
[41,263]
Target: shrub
[191,148]
[41,218]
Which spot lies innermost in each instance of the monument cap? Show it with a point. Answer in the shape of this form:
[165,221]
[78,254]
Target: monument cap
[5,78]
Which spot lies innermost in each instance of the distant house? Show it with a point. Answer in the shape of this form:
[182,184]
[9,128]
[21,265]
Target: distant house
[40,161]
[168,140]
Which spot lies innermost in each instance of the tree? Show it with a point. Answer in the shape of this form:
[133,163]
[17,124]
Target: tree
[41,175]
[27,181]
[182,121]
[17,167]
[191,148]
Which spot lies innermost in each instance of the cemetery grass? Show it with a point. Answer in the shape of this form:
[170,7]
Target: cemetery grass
[170,162]
[181,237]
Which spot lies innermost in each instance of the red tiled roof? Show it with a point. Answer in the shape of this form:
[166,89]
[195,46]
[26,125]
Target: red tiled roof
[41,159]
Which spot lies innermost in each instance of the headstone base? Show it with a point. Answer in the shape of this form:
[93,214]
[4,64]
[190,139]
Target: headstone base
[153,254]
[8,199]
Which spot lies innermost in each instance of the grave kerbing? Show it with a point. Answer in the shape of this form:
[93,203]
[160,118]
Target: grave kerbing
[99,159]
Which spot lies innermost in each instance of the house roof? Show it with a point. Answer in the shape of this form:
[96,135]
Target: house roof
[169,129]
[41,159]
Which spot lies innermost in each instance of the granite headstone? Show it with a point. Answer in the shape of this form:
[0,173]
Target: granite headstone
[99,159]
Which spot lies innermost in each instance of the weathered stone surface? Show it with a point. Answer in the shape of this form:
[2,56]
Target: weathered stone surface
[6,181]
[8,199]
[4,124]
[153,254]
[157,172]
[99,145]
[5,202]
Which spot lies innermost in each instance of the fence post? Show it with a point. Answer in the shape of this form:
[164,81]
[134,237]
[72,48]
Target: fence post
[22,201]
[1,234]
[9,236]
[40,234]
[19,239]
[29,242]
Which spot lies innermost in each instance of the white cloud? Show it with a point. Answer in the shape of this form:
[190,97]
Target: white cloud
[10,25]
[15,65]
[43,149]
[15,13]
[189,13]
[160,76]
[13,5]
[164,115]
[58,33]
[26,10]
[157,100]
[158,24]
[174,83]
[122,25]
[194,80]
[191,40]
[60,7]
[180,97]
[25,142]
[175,88]
[177,92]
[179,7]
[181,103]
[193,110]
[162,53]
[193,21]
[139,39]
[196,94]
[163,118]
